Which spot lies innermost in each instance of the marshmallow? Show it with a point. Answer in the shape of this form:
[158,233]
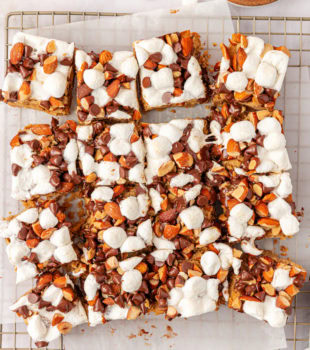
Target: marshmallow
[114,237]
[22,156]
[130,263]
[44,250]
[47,219]
[209,235]
[65,254]
[274,141]
[16,250]
[84,133]
[102,193]
[254,309]
[248,247]
[241,212]
[269,125]
[181,180]
[281,279]
[93,78]
[266,75]
[145,231]
[279,208]
[210,263]
[28,216]
[163,243]
[90,287]
[53,295]
[161,254]
[25,271]
[55,84]
[36,328]
[115,312]
[162,79]
[156,199]
[192,193]
[242,131]
[289,224]
[236,81]
[192,217]
[131,281]
[132,244]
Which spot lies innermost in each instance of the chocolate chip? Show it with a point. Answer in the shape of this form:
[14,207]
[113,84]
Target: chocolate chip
[246,276]
[15,169]
[177,147]
[173,272]
[24,72]
[179,281]
[94,56]
[263,98]
[94,110]
[177,47]
[270,92]
[260,140]
[43,303]
[186,265]
[27,50]
[56,160]
[65,306]
[175,67]
[234,109]
[167,216]
[184,63]
[251,150]
[41,344]
[23,310]
[167,96]
[140,190]
[83,91]
[22,234]
[54,207]
[42,57]
[170,283]
[119,300]
[110,68]
[33,298]
[12,68]
[99,307]
[146,82]
[45,104]
[55,180]
[106,289]
[171,259]
[260,295]
[82,115]
[33,258]
[156,57]
[160,188]
[66,61]
[13,96]
[150,259]
[28,63]
[144,287]
[202,201]
[137,299]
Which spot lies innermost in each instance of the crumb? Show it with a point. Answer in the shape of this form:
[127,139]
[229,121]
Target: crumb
[112,330]
[174,11]
[142,332]
[214,44]
[173,111]
[170,334]
[153,326]
[283,250]
[82,330]
[131,336]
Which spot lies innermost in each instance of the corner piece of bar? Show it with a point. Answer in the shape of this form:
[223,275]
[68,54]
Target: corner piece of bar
[40,74]
[169,71]
[106,86]
[44,160]
[251,72]
[265,287]
[51,309]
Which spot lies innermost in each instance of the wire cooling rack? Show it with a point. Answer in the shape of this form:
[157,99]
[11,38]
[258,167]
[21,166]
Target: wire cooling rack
[295,34]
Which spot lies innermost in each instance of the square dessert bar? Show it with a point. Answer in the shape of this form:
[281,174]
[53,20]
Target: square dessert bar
[51,309]
[169,71]
[38,238]
[106,86]
[111,154]
[251,72]
[44,160]
[252,142]
[265,287]
[257,207]
[118,221]
[40,74]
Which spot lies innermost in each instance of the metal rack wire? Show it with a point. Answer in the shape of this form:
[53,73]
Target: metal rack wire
[298,41]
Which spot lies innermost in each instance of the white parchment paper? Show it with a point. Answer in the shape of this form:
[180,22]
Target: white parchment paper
[222,330]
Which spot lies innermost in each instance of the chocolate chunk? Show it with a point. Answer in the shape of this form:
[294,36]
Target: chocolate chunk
[170,283]
[54,207]
[33,258]
[22,234]
[15,169]
[202,201]
[162,294]
[83,91]
[179,281]
[65,306]
[175,67]
[160,188]
[177,147]
[41,344]
[23,310]
[139,189]
[178,82]
[42,57]
[33,298]
[146,82]
[106,289]
[144,287]
[110,68]
[156,57]
[260,140]
[171,259]
[138,299]
[99,306]
[45,104]
[184,63]
[82,115]
[28,63]
[94,110]
[167,216]
[13,96]
[66,61]
[246,276]
[119,300]
[55,180]
[27,50]
[167,96]
[94,56]
[24,72]
[252,150]
[56,160]
[177,47]
[270,92]
[263,98]
[43,303]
